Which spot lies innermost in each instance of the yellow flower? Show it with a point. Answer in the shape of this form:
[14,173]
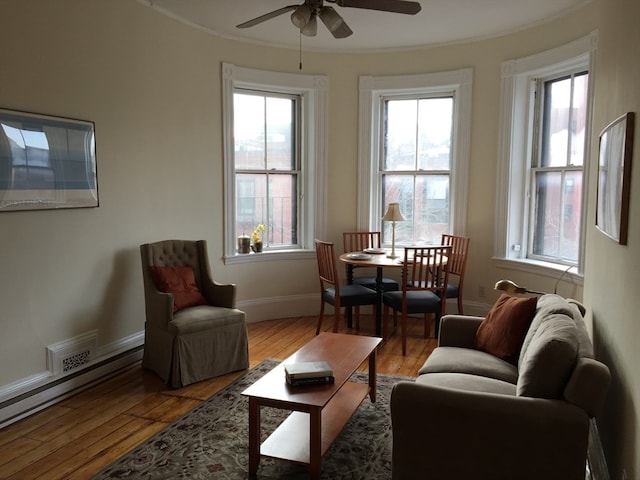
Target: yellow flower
[256,235]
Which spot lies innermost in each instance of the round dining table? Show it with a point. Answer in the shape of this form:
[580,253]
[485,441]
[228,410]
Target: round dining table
[379,261]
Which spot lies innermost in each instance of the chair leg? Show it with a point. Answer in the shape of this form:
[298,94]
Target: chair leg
[336,319]
[404,333]
[320,318]
[427,325]
[460,312]
[357,313]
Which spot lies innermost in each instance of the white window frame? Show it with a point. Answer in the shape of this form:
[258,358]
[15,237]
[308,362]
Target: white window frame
[373,90]
[514,153]
[313,91]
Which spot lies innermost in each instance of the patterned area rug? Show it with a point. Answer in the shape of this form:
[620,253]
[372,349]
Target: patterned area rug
[211,441]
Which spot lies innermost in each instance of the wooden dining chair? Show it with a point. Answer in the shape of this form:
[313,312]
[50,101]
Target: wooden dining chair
[424,289]
[457,265]
[358,242]
[333,293]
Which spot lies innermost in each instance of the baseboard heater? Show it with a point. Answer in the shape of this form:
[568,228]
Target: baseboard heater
[37,399]
[597,464]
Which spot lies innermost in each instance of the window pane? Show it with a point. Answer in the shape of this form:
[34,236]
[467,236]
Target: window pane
[564,120]
[248,120]
[282,225]
[435,117]
[579,118]
[251,199]
[557,216]
[400,136]
[280,133]
[424,202]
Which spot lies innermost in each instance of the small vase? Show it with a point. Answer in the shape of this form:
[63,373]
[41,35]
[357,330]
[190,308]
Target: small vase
[244,244]
[256,247]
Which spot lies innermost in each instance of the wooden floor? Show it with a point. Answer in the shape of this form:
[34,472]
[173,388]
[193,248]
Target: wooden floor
[78,437]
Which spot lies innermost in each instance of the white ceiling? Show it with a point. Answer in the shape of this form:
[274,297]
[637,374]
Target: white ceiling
[439,21]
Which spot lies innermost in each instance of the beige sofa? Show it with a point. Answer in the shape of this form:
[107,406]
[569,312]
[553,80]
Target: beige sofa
[470,415]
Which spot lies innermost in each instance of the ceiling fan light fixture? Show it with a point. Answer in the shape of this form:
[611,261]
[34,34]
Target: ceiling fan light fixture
[301,16]
[331,18]
[311,28]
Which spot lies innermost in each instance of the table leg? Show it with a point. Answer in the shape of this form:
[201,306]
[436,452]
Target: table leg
[372,375]
[315,440]
[254,437]
[379,292]
[349,309]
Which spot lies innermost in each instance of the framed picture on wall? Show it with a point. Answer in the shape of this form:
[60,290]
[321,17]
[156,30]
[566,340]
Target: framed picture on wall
[46,162]
[614,178]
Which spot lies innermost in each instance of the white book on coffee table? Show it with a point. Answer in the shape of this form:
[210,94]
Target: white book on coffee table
[315,369]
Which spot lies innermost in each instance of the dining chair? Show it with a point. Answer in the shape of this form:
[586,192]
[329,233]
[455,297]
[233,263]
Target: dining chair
[358,242]
[333,293]
[457,265]
[424,289]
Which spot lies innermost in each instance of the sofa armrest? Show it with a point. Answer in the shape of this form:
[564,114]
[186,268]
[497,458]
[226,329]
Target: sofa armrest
[456,434]
[458,331]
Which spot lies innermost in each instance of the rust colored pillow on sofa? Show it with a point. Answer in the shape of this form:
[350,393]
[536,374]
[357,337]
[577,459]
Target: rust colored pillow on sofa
[181,283]
[502,332]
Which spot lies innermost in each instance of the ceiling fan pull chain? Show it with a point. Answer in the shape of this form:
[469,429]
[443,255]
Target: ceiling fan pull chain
[300,64]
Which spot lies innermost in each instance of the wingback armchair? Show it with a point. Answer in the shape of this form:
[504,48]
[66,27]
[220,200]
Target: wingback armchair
[193,330]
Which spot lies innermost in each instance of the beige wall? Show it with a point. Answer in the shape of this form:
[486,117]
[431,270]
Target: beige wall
[612,272]
[152,86]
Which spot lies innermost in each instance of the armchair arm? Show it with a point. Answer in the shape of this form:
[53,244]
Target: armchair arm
[159,308]
[456,434]
[218,294]
[458,331]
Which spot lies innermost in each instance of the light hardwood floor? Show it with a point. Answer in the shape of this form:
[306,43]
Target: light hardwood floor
[78,437]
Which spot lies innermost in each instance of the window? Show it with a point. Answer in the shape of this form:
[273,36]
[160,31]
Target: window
[416,166]
[267,165]
[415,151]
[557,167]
[274,134]
[545,122]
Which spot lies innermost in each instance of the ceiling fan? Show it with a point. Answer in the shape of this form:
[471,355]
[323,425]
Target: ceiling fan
[305,16]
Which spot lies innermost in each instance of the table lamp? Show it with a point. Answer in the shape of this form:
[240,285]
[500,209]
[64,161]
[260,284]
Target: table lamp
[512,287]
[393,215]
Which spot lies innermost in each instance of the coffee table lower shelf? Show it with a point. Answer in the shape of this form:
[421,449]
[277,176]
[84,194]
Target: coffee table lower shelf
[291,440]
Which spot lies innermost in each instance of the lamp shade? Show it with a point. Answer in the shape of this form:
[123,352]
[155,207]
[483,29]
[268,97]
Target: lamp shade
[301,16]
[393,213]
[330,18]
[311,28]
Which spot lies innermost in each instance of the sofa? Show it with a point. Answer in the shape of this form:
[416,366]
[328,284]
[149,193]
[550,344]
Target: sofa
[473,415]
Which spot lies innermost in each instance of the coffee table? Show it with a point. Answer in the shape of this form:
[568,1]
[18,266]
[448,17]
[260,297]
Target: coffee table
[319,412]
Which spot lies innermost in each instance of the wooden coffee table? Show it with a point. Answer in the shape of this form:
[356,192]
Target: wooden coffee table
[319,412]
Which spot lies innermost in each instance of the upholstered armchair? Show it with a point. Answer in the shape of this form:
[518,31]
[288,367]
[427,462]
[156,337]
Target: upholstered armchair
[193,330]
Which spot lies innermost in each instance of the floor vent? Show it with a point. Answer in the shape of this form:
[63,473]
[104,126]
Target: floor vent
[69,355]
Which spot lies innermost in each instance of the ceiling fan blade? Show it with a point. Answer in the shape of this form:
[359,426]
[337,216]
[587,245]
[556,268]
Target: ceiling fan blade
[396,6]
[267,16]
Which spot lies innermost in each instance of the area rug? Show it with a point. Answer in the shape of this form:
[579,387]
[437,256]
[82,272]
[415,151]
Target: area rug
[211,441]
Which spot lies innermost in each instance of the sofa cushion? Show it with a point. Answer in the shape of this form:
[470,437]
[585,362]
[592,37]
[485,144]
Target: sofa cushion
[547,364]
[502,331]
[181,283]
[467,360]
[472,383]
[547,305]
[202,318]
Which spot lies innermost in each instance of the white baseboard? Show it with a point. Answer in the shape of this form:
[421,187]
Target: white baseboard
[37,392]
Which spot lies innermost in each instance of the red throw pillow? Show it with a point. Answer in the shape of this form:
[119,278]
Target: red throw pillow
[502,332]
[181,283]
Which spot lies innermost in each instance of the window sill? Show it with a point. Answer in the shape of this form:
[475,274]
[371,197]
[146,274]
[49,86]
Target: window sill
[269,256]
[536,267]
